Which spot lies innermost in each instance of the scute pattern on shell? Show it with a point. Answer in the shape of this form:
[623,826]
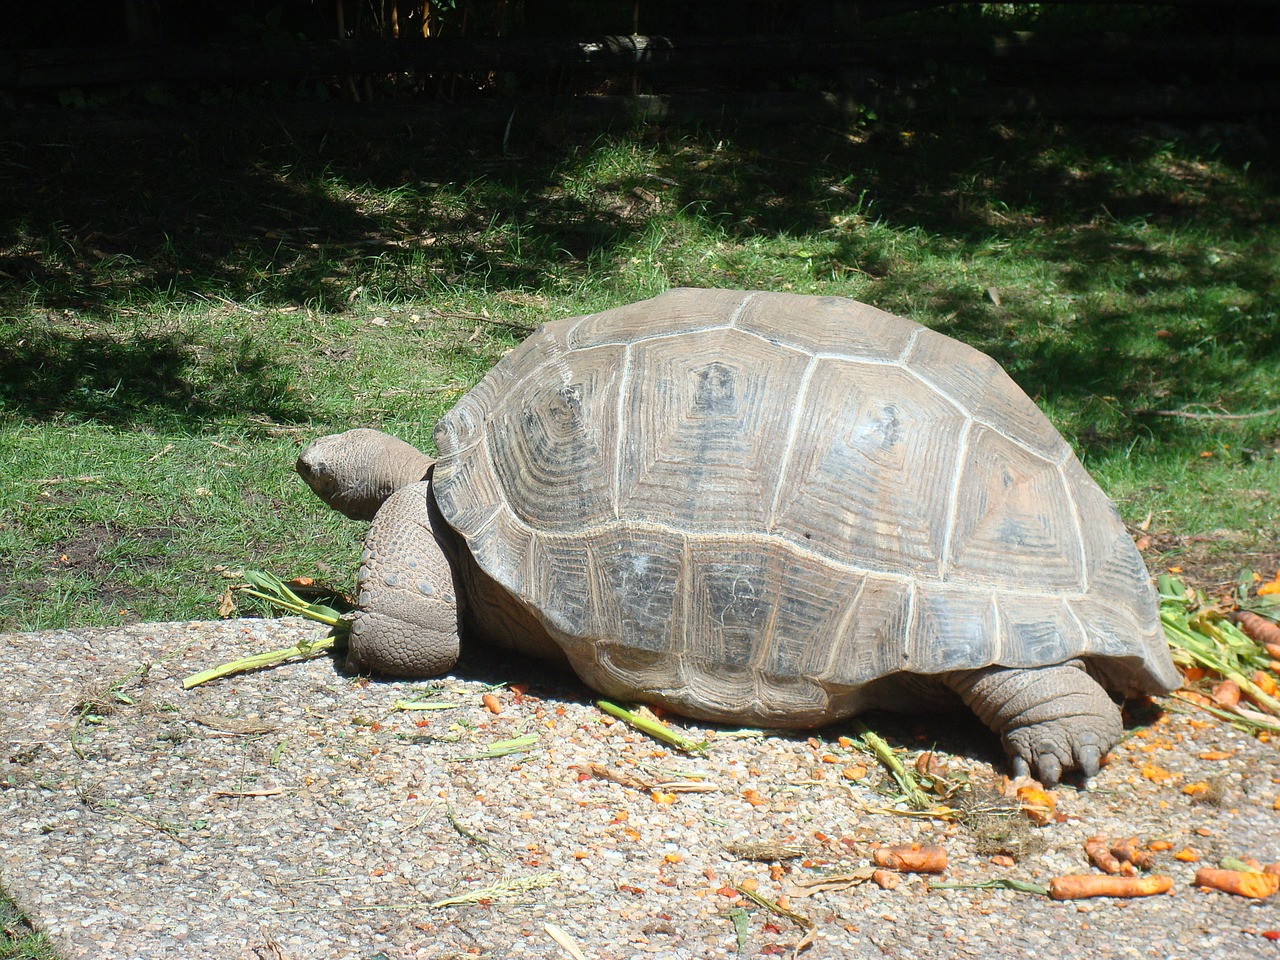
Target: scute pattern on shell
[727,498]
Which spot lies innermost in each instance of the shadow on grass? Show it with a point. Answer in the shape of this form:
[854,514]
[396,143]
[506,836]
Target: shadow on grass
[97,226]
[46,371]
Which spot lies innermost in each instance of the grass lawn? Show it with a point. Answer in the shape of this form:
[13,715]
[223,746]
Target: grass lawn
[179,315]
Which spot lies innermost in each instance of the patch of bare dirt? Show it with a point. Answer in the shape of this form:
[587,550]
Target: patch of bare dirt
[1210,561]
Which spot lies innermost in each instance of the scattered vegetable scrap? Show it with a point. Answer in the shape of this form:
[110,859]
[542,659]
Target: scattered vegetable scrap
[653,728]
[1099,853]
[1226,694]
[416,704]
[996,883]
[766,850]
[599,771]
[501,890]
[886,879]
[1243,883]
[1037,804]
[271,589]
[1085,885]
[1157,774]
[779,908]
[808,886]
[564,941]
[1222,649]
[501,748]
[1128,851]
[916,798]
[912,858]
[1122,858]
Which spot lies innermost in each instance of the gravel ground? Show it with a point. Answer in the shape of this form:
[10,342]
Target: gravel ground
[293,813]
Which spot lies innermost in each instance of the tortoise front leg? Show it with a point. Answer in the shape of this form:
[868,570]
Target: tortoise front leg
[1051,719]
[406,622]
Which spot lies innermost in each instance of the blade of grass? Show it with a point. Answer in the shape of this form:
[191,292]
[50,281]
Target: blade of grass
[804,923]
[997,883]
[411,705]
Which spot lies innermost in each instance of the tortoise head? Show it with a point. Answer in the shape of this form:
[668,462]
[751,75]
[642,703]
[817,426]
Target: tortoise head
[356,471]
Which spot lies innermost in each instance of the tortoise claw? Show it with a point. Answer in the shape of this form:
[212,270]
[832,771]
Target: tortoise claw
[1048,767]
[1089,760]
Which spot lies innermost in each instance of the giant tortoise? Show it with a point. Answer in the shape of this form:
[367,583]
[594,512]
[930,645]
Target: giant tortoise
[759,508]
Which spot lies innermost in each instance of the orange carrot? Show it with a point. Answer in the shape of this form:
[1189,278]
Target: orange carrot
[1226,694]
[1242,883]
[886,879]
[1100,855]
[1080,886]
[1264,682]
[912,858]
[1256,628]
[1037,804]
[1128,851]
[491,703]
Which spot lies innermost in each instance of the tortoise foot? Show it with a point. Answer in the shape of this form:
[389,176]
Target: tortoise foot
[1052,720]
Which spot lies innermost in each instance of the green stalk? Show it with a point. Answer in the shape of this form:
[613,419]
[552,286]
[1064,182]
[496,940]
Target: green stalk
[1248,723]
[916,797]
[1231,863]
[501,748]
[271,589]
[302,650]
[1203,651]
[1005,883]
[410,705]
[777,909]
[656,730]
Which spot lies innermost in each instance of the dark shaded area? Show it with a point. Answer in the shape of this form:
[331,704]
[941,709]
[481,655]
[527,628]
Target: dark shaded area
[1174,56]
[134,379]
[955,731]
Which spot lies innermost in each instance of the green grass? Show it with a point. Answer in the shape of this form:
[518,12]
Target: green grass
[17,940]
[178,318]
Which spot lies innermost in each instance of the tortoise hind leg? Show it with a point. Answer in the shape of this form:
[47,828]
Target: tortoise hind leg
[1051,719]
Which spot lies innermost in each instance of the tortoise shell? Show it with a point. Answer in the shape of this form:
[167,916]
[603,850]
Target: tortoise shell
[756,505]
